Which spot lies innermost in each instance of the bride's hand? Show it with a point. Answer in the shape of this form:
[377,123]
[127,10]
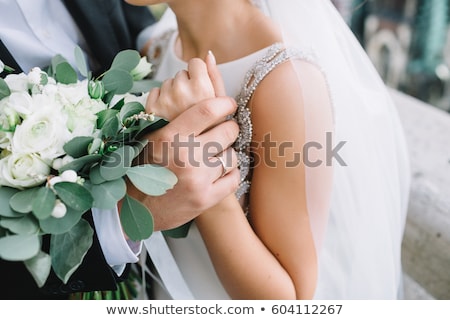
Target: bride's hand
[188,87]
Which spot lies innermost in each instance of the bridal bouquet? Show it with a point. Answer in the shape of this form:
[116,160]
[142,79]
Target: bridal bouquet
[66,146]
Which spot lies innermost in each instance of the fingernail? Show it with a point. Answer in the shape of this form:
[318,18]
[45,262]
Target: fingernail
[213,58]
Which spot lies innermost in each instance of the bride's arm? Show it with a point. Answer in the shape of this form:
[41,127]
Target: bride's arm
[276,259]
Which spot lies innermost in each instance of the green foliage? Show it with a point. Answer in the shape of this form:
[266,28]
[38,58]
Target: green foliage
[43,203]
[136,219]
[19,247]
[101,162]
[4,89]
[67,250]
[151,179]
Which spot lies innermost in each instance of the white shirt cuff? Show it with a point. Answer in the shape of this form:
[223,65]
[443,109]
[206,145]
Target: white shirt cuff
[117,250]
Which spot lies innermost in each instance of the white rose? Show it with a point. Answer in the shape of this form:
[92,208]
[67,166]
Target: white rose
[23,171]
[82,118]
[73,93]
[17,82]
[44,132]
[21,102]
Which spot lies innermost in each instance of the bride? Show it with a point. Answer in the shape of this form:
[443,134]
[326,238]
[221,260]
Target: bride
[324,186]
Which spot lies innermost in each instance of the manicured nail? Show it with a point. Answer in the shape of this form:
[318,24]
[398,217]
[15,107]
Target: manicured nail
[211,54]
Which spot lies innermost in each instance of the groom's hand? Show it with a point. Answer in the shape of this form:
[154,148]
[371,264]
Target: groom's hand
[187,146]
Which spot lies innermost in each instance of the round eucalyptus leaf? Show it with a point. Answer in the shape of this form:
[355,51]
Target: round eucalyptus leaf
[81,63]
[9,207]
[43,203]
[136,219]
[107,194]
[126,60]
[78,146]
[116,164]
[24,225]
[151,179]
[74,195]
[118,81]
[61,225]
[65,73]
[19,247]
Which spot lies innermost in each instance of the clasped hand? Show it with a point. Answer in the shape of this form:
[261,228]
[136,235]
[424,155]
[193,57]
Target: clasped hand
[198,132]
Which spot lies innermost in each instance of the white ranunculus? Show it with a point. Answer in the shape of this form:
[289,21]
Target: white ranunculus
[82,118]
[44,132]
[21,102]
[23,171]
[17,82]
[73,93]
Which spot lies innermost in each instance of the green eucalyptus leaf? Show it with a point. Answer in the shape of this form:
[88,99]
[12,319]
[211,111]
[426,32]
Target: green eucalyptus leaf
[180,232]
[144,85]
[7,208]
[136,219]
[19,247]
[139,146]
[24,225]
[61,225]
[74,195]
[107,98]
[111,127]
[126,60]
[65,73]
[68,249]
[94,175]
[4,89]
[56,60]
[130,109]
[39,267]
[78,146]
[151,179]
[116,164]
[82,162]
[146,126]
[107,194]
[119,81]
[104,115]
[43,203]
[80,60]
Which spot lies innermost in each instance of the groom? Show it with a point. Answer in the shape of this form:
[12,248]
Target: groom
[29,33]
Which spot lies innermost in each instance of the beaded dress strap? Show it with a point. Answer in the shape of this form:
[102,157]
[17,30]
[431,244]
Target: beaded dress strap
[275,55]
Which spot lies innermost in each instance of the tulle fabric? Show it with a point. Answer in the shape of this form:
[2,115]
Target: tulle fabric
[359,237]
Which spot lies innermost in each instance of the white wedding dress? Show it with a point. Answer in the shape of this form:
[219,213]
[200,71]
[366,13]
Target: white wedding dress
[360,254]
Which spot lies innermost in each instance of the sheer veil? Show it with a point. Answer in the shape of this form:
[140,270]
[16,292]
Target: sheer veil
[357,205]
[359,234]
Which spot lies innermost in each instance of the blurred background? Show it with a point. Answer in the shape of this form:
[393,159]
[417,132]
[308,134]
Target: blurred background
[408,41]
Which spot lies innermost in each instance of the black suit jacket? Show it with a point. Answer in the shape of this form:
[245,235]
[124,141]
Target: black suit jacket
[108,26]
